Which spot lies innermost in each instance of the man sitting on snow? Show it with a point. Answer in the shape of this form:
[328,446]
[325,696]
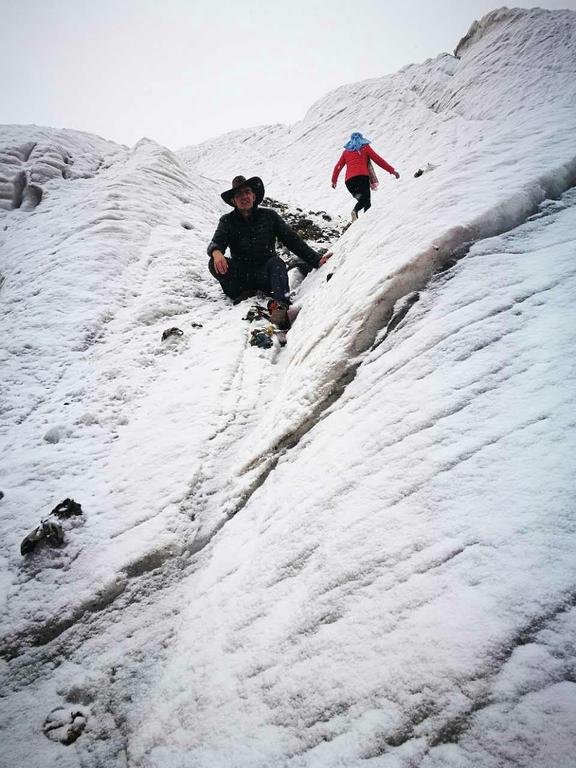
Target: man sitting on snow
[250,232]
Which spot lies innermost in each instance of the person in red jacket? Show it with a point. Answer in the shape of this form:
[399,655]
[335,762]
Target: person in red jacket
[356,156]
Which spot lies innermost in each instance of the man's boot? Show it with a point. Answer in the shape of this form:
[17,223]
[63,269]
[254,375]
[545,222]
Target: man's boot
[279,314]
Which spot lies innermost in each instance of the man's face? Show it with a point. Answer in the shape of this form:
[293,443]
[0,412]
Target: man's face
[244,198]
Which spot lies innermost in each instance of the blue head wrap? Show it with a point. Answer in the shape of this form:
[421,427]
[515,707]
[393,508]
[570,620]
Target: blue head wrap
[357,141]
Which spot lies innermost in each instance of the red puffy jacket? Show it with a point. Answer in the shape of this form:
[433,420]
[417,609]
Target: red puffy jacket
[357,163]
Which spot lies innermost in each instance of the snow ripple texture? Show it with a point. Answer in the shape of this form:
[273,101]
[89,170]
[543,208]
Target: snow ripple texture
[356,551]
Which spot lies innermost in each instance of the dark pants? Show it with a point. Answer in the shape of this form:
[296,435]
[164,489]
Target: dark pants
[271,278]
[359,187]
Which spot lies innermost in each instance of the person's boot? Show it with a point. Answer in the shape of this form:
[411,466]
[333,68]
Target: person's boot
[279,314]
[354,215]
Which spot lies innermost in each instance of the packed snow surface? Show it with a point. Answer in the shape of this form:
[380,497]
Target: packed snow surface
[354,551]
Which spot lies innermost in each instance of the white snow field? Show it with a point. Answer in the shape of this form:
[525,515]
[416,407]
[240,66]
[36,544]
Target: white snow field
[358,550]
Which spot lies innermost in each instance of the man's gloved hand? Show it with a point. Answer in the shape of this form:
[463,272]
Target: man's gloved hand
[220,263]
[325,258]
[396,174]
[333,185]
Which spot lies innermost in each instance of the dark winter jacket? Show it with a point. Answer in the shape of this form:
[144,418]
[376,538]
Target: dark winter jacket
[252,240]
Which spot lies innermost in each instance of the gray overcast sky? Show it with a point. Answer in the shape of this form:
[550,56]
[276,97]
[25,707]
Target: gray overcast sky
[181,71]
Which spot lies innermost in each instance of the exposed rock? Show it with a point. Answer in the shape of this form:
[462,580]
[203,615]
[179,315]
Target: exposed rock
[310,225]
[64,725]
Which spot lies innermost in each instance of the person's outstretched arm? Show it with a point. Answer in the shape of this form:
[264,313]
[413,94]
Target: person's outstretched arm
[337,168]
[294,242]
[381,162]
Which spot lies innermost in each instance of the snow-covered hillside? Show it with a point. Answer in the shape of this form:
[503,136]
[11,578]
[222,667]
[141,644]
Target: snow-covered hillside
[358,550]
[507,96]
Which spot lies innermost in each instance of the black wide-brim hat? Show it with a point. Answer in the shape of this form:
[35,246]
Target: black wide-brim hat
[255,183]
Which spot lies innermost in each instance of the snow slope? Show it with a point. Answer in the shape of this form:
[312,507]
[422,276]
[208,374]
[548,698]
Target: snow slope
[356,551]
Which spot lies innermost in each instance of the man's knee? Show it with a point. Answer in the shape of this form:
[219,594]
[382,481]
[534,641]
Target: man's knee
[227,281]
[229,275]
[275,263]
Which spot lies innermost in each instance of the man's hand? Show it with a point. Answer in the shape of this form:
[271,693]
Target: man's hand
[333,185]
[396,174]
[220,263]
[325,258]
